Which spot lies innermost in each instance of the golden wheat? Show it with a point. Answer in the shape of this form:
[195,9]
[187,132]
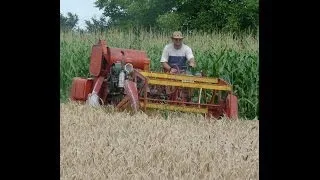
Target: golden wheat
[100,143]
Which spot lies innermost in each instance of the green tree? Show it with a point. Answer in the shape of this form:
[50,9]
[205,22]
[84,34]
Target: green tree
[68,22]
[170,21]
[128,13]
[205,15]
[229,15]
[96,25]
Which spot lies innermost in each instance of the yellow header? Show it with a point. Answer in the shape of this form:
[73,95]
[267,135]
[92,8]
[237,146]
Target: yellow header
[188,84]
[179,77]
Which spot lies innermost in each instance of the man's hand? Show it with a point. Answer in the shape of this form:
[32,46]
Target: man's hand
[173,70]
[192,63]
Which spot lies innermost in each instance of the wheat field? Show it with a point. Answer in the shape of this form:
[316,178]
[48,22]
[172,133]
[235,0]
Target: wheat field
[101,143]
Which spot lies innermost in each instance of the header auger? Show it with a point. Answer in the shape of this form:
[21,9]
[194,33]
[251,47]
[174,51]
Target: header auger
[122,77]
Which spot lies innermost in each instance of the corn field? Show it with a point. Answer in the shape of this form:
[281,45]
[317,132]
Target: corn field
[232,58]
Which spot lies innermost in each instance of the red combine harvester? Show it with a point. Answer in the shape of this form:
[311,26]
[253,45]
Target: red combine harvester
[122,77]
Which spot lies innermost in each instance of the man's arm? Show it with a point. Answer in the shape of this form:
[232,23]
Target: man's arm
[164,59]
[172,70]
[166,66]
[192,62]
[190,57]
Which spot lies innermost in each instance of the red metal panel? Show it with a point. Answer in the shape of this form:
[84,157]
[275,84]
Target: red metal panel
[137,58]
[81,88]
[131,91]
[96,60]
[232,106]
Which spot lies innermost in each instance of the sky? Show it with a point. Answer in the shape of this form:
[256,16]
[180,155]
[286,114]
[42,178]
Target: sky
[83,8]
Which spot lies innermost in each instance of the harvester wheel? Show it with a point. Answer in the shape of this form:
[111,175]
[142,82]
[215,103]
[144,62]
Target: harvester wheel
[132,93]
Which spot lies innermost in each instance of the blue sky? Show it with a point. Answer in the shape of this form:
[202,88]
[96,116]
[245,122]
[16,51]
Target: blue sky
[83,8]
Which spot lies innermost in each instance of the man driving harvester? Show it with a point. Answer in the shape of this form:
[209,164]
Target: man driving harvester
[177,55]
[175,59]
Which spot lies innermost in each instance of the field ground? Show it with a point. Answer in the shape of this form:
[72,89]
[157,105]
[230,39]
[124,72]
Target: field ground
[100,143]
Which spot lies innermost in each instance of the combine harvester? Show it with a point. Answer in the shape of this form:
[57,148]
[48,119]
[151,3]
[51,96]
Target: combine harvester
[122,77]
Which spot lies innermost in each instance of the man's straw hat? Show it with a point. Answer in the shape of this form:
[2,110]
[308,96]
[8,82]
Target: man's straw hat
[177,35]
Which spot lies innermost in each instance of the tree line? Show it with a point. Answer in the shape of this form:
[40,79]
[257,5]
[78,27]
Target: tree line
[169,15]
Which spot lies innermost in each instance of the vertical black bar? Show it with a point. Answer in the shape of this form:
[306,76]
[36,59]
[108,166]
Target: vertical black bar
[265,113]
